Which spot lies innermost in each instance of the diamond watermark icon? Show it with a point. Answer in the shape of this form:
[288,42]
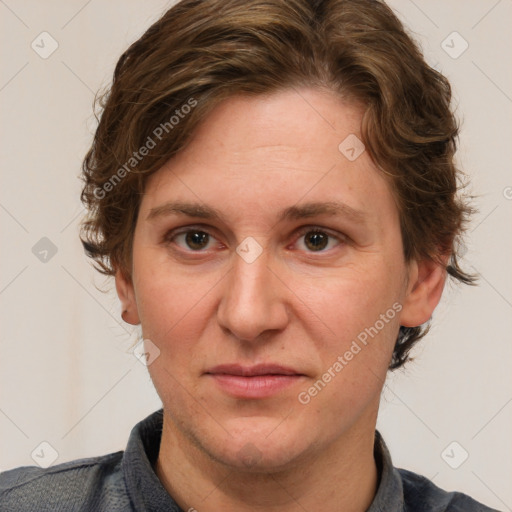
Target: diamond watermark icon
[454,455]
[250,455]
[44,454]
[249,250]
[146,352]
[454,45]
[44,250]
[352,147]
[44,45]
[462,248]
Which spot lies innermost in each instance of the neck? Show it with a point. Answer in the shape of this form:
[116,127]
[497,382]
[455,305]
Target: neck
[342,476]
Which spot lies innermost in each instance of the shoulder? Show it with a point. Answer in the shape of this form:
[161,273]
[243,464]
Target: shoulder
[95,483]
[422,495]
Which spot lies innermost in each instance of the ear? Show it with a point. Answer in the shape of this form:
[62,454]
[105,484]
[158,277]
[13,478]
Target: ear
[425,287]
[126,294]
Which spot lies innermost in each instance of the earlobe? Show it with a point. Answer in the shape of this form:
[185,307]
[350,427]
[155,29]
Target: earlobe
[126,294]
[425,287]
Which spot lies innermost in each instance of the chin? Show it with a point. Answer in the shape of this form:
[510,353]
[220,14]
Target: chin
[254,457]
[259,446]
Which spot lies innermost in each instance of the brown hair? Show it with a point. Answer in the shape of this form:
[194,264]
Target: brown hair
[203,51]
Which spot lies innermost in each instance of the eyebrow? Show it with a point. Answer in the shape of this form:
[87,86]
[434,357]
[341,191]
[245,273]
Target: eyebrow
[295,212]
[330,208]
[185,209]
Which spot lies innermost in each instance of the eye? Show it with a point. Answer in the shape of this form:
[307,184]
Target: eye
[316,240]
[193,239]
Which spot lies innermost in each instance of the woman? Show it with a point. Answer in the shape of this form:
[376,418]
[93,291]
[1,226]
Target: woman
[273,186]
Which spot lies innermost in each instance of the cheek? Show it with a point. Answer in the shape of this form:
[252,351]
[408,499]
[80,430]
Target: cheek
[173,316]
[352,301]
[357,319]
[173,308]
[359,322]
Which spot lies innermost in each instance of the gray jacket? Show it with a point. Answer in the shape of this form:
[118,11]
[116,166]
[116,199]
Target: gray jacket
[125,481]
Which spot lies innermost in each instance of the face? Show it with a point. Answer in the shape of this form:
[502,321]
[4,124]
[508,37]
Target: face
[268,270]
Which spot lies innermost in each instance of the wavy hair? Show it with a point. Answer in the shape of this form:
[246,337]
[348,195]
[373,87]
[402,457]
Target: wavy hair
[203,51]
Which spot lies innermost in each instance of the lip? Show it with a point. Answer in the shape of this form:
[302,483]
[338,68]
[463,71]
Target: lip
[258,381]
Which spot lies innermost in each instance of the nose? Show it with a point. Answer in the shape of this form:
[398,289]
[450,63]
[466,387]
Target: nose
[253,301]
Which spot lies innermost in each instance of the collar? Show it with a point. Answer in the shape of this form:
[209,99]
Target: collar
[148,494]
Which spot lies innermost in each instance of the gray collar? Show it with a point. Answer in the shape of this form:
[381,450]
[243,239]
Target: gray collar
[148,494]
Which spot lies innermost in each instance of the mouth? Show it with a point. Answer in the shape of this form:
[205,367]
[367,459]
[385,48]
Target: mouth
[252,382]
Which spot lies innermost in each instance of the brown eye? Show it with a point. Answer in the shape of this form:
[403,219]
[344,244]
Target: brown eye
[196,240]
[316,240]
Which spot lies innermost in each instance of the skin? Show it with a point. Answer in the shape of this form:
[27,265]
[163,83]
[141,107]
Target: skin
[294,306]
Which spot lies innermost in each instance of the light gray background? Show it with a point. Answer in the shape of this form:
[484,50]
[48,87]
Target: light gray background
[66,374]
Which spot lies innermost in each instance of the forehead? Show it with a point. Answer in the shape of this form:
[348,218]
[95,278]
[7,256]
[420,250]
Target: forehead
[275,151]
[308,120]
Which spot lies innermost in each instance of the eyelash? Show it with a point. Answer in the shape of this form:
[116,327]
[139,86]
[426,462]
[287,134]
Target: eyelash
[169,237]
[316,229]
